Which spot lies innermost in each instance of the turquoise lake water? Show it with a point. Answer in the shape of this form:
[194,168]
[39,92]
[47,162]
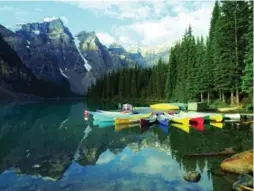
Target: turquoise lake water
[49,146]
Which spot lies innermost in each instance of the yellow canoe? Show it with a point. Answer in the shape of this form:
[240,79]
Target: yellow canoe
[132,119]
[184,127]
[218,125]
[226,109]
[184,121]
[125,126]
[164,106]
[216,118]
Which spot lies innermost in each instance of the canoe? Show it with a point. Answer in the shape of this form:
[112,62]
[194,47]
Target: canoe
[147,121]
[192,114]
[236,116]
[131,119]
[182,106]
[162,120]
[218,125]
[111,117]
[144,128]
[163,128]
[105,124]
[197,120]
[214,118]
[207,116]
[113,113]
[183,127]
[103,118]
[185,120]
[226,109]
[164,106]
[198,126]
[125,126]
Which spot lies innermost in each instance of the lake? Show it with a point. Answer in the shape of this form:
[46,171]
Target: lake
[49,146]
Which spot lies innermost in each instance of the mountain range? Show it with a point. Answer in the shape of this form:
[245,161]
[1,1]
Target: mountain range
[53,54]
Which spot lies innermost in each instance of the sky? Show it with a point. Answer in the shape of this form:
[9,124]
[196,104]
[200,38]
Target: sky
[147,23]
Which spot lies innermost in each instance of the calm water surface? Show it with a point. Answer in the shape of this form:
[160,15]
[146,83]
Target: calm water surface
[49,146]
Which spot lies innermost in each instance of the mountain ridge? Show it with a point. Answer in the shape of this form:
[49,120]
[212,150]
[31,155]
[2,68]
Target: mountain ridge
[52,52]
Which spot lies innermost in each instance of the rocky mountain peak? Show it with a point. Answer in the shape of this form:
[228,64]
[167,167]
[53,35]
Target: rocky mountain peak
[53,29]
[88,41]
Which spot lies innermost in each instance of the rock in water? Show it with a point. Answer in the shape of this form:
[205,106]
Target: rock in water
[241,163]
[243,180]
[192,176]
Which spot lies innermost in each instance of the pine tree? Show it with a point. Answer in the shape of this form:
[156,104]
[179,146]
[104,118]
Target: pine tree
[171,74]
[121,84]
[247,79]
[210,53]
[158,80]
[133,83]
[191,68]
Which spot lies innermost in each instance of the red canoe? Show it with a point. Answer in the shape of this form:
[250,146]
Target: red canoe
[197,120]
[198,126]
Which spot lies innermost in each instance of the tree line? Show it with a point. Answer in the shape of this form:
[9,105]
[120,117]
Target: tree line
[131,83]
[219,66]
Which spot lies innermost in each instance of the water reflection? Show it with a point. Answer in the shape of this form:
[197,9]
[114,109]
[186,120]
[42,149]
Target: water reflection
[51,141]
[218,125]
[183,127]
[126,170]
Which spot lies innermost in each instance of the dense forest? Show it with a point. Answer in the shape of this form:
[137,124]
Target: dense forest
[219,66]
[17,78]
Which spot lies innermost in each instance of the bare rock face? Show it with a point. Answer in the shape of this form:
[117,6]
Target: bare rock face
[192,176]
[98,56]
[130,57]
[49,50]
[243,181]
[241,163]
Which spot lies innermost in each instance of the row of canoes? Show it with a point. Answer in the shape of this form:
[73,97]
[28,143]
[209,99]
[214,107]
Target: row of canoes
[163,118]
[177,106]
[183,127]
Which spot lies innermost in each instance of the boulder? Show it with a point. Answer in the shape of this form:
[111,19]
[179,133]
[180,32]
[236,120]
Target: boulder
[243,180]
[241,163]
[192,176]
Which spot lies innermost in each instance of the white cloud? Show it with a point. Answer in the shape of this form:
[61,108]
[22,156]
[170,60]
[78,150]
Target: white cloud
[124,9]
[38,10]
[7,8]
[157,163]
[105,157]
[153,22]
[105,38]
[167,29]
[65,20]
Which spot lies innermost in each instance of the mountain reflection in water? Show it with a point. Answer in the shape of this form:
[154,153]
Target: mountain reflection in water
[49,146]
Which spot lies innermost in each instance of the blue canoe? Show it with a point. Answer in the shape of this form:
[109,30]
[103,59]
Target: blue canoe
[162,120]
[163,128]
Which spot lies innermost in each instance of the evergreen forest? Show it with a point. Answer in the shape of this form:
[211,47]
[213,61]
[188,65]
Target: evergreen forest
[219,66]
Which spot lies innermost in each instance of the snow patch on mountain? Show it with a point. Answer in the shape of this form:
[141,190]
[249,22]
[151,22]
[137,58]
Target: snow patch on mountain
[86,65]
[49,19]
[63,74]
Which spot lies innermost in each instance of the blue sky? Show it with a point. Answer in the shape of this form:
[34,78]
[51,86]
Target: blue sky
[148,23]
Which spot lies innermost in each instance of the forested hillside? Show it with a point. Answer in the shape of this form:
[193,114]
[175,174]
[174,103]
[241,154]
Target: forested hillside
[132,83]
[219,66]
